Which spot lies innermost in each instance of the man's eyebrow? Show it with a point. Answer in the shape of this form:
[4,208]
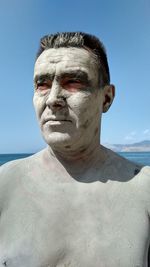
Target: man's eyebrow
[78,74]
[46,76]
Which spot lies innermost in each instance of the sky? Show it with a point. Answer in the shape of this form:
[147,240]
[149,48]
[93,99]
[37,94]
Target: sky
[124,28]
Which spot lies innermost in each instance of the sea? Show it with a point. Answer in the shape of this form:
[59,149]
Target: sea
[138,157]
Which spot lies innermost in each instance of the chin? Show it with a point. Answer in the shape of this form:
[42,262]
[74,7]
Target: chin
[57,139]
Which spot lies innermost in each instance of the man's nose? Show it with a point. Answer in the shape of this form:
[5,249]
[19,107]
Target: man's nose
[55,99]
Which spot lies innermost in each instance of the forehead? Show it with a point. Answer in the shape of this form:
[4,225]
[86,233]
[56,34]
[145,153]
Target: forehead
[60,59]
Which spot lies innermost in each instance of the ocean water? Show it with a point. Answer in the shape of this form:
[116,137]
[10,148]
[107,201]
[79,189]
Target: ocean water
[8,157]
[139,157]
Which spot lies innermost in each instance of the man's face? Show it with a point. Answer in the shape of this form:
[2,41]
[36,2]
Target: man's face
[67,99]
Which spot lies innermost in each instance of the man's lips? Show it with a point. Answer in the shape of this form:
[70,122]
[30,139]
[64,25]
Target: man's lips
[55,119]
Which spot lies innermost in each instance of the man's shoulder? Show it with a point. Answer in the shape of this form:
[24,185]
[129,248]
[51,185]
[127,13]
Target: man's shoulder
[142,186]
[145,171]
[122,168]
[143,178]
[13,172]
[16,167]
[10,172]
[12,166]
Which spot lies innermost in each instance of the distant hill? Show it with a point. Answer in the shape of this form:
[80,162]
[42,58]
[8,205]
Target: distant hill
[143,146]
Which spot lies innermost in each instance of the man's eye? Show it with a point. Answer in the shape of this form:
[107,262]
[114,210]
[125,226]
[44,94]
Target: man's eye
[42,85]
[73,84]
[74,81]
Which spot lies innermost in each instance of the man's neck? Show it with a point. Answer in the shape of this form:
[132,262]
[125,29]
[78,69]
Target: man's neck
[82,160]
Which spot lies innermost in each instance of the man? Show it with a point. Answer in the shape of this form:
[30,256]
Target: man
[76,203]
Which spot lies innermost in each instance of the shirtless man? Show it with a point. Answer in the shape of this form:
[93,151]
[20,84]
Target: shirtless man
[76,203]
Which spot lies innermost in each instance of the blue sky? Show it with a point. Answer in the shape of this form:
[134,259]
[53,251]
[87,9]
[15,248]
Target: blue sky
[124,28]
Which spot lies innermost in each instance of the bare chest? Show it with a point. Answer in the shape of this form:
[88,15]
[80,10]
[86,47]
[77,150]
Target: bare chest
[71,225]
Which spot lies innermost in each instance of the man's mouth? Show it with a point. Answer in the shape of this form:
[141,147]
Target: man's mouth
[55,120]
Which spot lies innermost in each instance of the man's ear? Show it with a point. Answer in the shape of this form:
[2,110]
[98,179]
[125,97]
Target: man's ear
[109,94]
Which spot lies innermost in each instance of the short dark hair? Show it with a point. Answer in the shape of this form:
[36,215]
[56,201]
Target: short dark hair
[79,40]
